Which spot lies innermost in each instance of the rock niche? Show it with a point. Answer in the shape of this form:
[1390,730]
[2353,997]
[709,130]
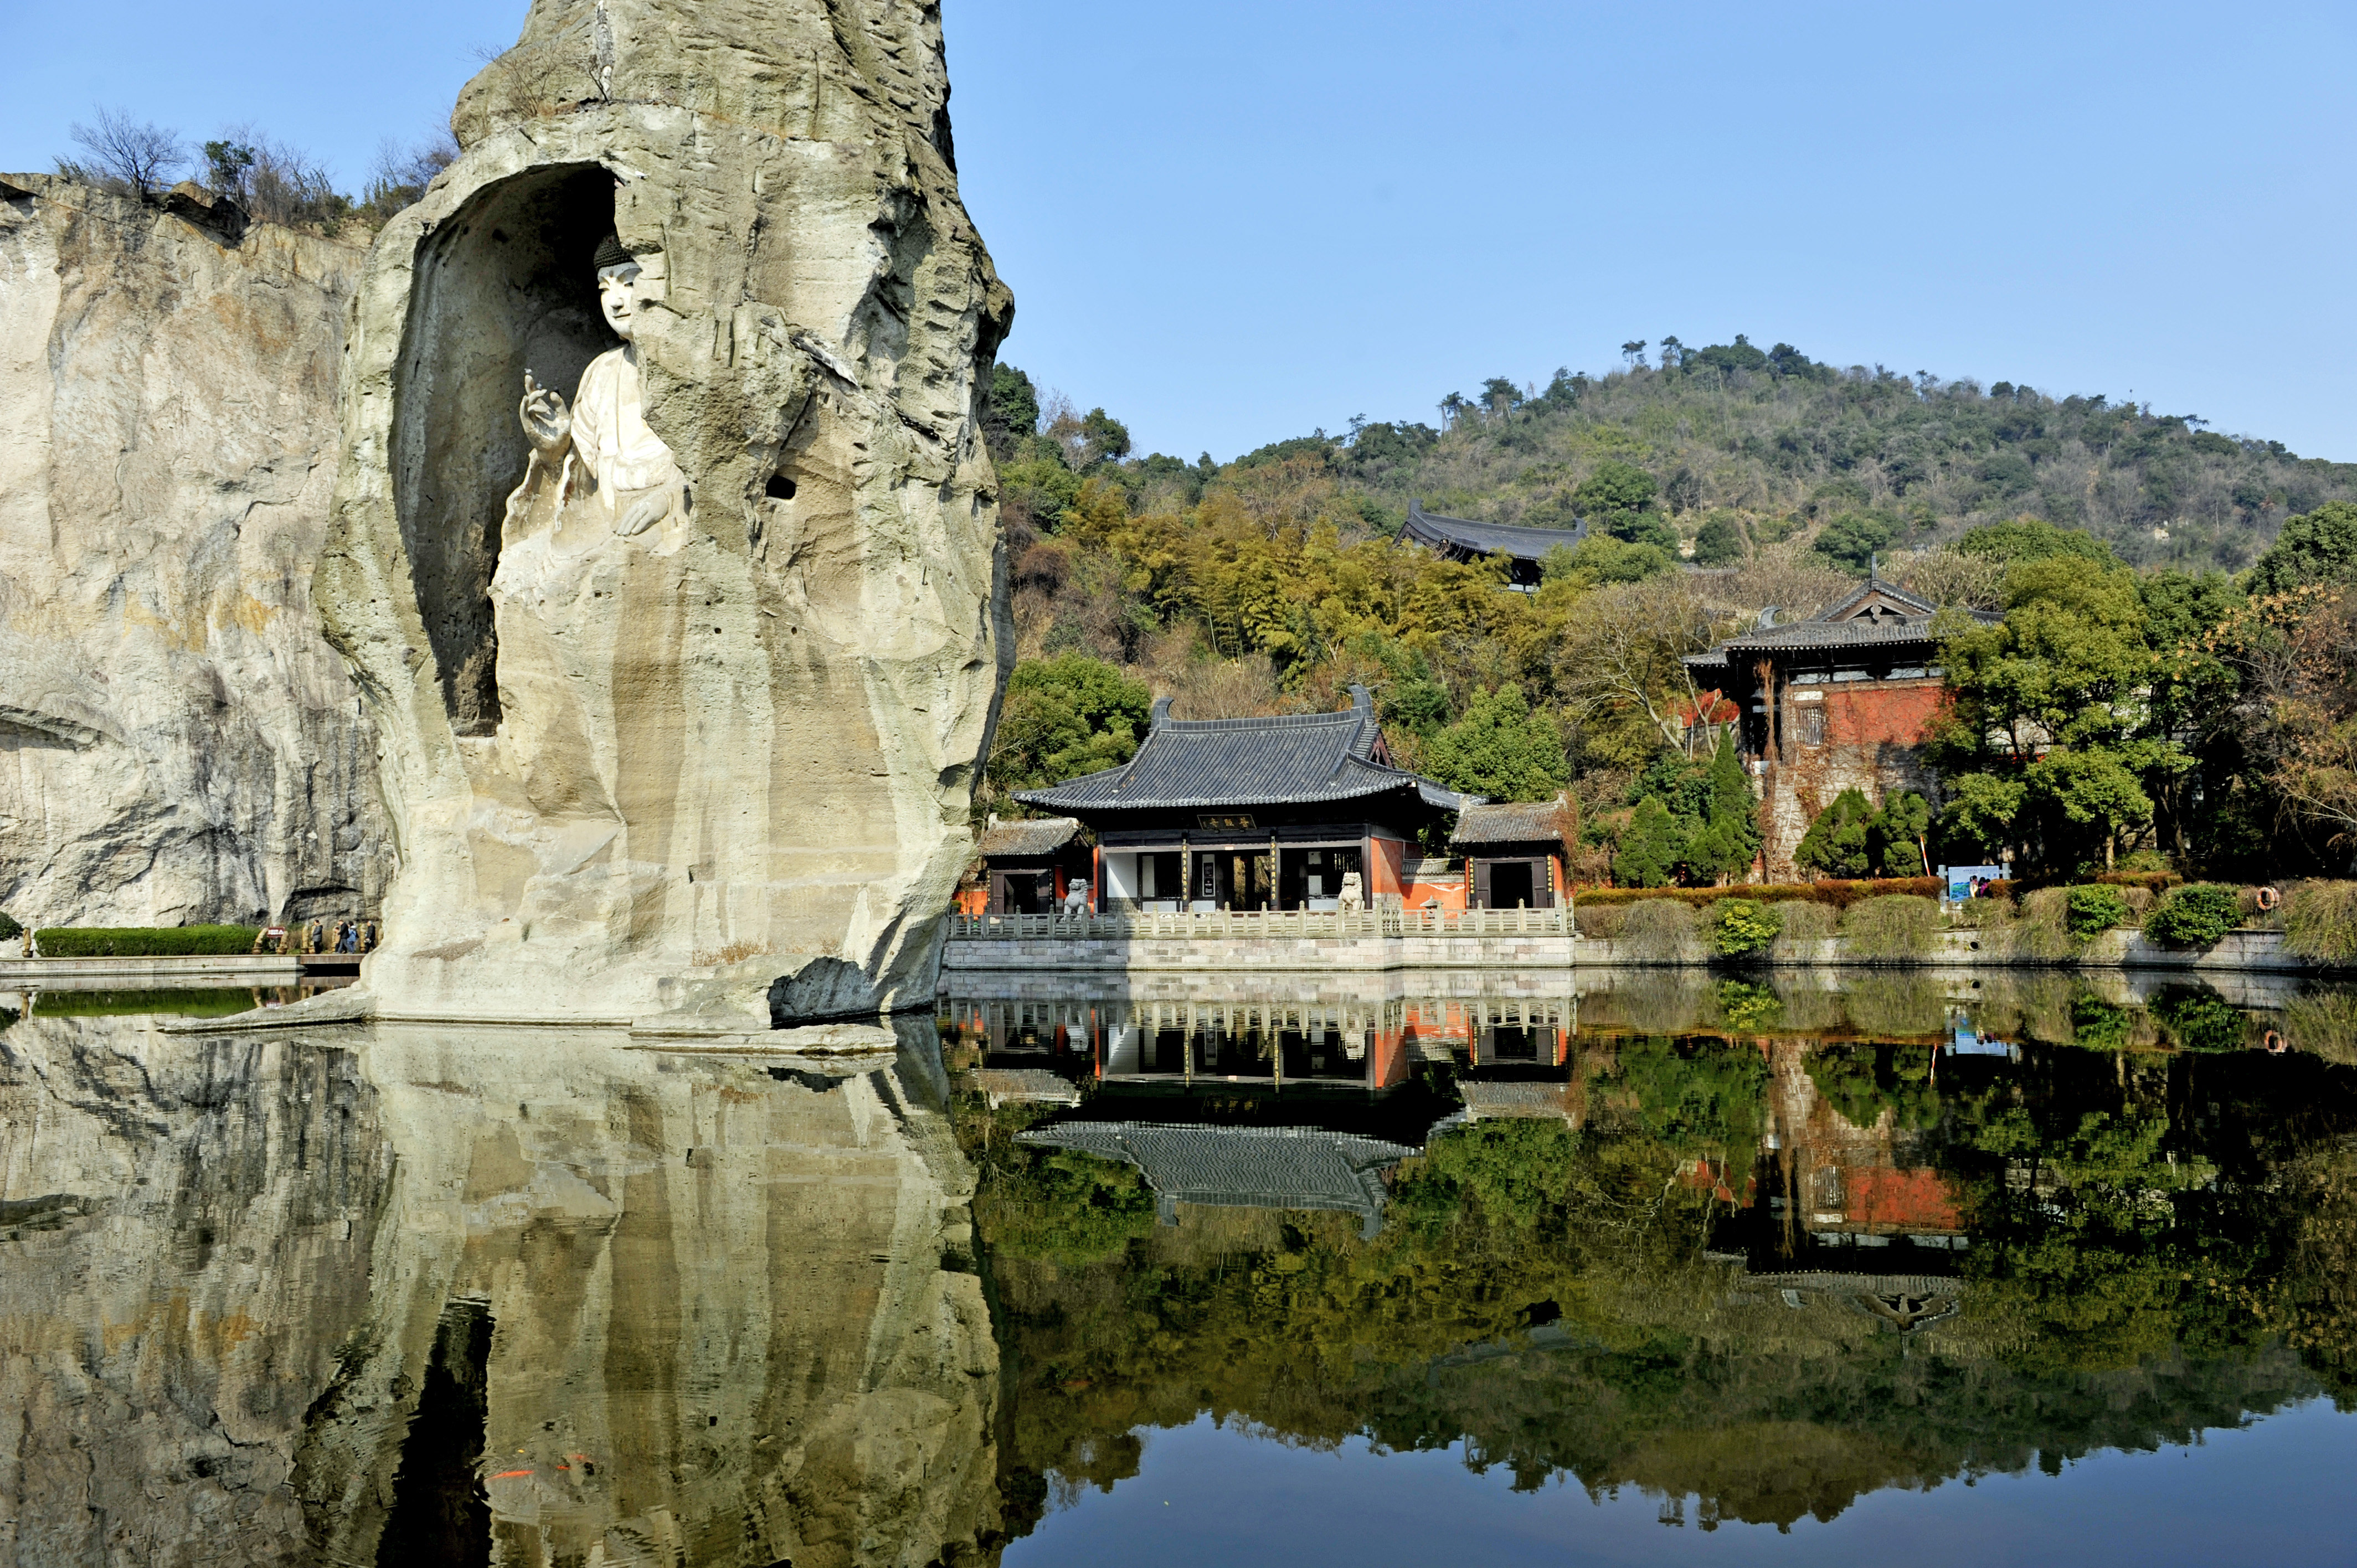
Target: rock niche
[664,543]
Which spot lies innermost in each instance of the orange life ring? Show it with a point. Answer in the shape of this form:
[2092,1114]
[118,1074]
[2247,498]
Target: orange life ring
[2274,1043]
[2269,898]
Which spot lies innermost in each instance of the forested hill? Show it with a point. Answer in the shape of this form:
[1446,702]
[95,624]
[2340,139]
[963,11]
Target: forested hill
[1743,448]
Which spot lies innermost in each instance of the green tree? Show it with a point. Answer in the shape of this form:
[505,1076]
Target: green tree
[1719,542]
[1894,839]
[1064,717]
[1618,499]
[1012,415]
[1835,842]
[1499,748]
[2032,539]
[1726,840]
[2050,738]
[2320,547]
[1850,540]
[1651,847]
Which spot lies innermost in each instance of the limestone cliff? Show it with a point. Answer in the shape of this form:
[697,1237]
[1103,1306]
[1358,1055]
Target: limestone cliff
[177,743]
[395,1297]
[658,741]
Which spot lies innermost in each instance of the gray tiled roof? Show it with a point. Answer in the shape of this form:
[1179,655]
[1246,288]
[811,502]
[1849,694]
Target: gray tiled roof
[1240,1168]
[1486,538]
[1514,821]
[1843,626]
[1041,835]
[1292,759]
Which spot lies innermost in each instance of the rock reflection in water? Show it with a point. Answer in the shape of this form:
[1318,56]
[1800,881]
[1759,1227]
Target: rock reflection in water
[1765,1244]
[424,1296]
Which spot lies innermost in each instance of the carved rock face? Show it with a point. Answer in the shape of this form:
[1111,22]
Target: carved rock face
[178,744]
[646,771]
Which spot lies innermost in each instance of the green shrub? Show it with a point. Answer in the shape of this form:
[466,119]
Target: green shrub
[2092,910]
[1739,928]
[1747,1009]
[2098,1025]
[2201,1020]
[2319,920]
[9,929]
[1896,926]
[1661,930]
[144,941]
[2195,914]
[1801,925]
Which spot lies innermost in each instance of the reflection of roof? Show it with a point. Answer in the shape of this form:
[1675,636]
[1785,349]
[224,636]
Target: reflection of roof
[1877,614]
[1294,758]
[1464,534]
[1514,821]
[1041,836]
[1905,1301]
[1027,1083]
[1240,1168]
[1487,1098]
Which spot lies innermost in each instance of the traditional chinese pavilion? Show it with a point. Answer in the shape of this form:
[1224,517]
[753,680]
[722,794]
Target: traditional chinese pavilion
[1839,701]
[1258,813]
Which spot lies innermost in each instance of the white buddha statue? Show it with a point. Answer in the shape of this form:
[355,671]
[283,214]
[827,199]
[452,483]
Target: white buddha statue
[613,474]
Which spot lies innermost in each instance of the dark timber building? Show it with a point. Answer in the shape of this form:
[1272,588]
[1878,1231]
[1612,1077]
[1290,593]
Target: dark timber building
[1462,539]
[1253,813]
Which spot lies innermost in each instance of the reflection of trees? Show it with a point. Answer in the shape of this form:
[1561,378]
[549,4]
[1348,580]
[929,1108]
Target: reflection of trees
[2160,1244]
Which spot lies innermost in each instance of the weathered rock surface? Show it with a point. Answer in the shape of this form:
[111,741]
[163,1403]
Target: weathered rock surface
[177,743]
[640,771]
[385,1295]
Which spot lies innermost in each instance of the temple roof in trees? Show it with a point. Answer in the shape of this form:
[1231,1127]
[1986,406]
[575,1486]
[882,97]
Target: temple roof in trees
[1293,759]
[1036,836]
[1512,822]
[1463,537]
[1880,616]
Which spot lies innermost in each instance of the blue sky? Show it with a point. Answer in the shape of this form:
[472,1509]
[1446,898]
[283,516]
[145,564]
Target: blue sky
[1229,223]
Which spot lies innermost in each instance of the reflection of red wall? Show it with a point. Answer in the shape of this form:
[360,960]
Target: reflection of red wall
[1891,714]
[1387,1060]
[1915,1199]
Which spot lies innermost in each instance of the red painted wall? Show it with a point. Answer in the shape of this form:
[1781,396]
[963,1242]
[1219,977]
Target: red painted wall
[1896,713]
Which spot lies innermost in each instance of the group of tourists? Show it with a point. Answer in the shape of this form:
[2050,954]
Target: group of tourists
[350,937]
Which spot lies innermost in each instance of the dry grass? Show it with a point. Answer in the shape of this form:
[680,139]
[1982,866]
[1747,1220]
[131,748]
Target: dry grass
[1804,925]
[1600,920]
[2319,921]
[2324,1025]
[1661,931]
[1910,1006]
[1891,928]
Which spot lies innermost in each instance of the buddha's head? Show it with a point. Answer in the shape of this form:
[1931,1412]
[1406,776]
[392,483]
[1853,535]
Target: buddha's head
[617,286]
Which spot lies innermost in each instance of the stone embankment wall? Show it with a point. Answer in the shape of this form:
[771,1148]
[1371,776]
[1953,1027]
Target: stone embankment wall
[1135,954]
[178,742]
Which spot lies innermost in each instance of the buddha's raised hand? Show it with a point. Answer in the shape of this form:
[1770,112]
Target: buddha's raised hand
[547,423]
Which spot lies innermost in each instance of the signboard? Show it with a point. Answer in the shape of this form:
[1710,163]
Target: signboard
[1964,881]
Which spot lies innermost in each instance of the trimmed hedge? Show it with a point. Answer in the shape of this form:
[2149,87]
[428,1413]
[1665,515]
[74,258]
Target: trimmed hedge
[1839,894]
[144,942]
[2095,908]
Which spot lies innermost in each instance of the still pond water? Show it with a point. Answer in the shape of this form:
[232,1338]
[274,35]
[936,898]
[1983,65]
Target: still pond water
[1482,1270]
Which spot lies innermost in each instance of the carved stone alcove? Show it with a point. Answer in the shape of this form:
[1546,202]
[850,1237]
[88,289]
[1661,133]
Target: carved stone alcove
[503,286]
